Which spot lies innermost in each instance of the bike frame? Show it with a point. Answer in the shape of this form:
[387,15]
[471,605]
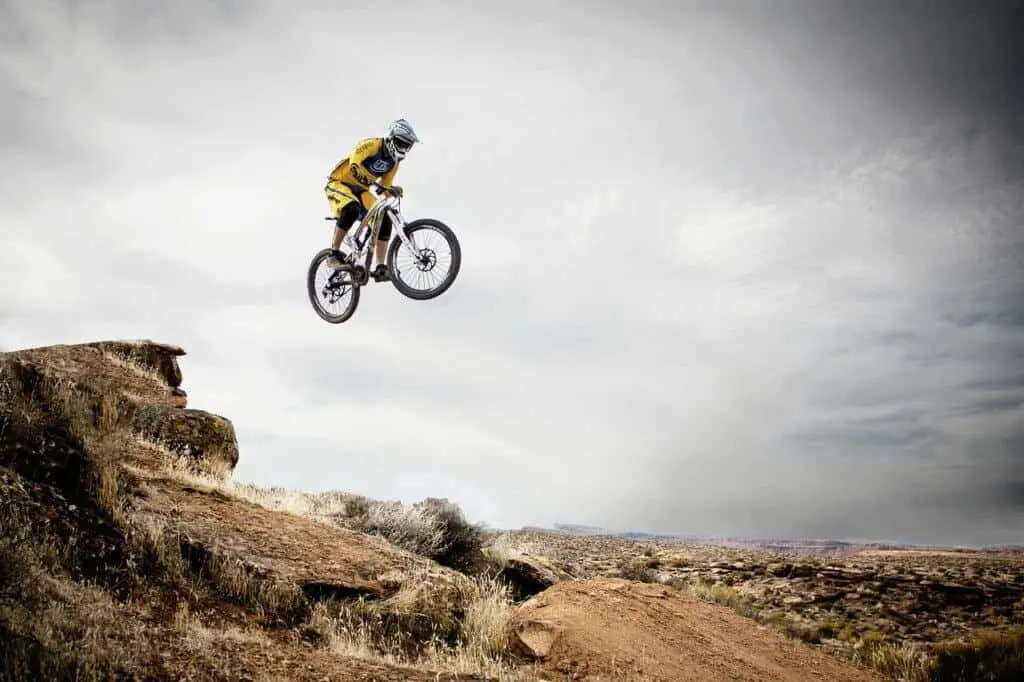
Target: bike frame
[387,205]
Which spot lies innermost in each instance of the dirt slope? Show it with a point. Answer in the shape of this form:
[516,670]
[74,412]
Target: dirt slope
[612,629]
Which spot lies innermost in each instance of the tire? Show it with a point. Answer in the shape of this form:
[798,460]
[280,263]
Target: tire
[405,288]
[314,297]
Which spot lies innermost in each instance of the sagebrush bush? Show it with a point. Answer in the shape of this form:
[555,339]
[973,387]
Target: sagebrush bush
[461,542]
[410,528]
[640,570]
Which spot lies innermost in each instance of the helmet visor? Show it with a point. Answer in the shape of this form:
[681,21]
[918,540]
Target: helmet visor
[402,144]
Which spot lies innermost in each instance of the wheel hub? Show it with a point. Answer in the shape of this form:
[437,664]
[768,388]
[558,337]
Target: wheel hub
[426,260]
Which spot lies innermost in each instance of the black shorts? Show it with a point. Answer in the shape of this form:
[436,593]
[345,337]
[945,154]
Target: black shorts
[350,213]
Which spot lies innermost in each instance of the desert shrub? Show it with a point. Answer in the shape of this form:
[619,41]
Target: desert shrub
[434,528]
[641,570]
[461,541]
[411,528]
[721,594]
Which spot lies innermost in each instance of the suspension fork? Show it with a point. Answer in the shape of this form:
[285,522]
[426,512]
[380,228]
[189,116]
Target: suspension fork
[398,226]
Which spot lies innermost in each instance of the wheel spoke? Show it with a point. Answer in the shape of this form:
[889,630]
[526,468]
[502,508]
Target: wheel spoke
[427,265]
[332,293]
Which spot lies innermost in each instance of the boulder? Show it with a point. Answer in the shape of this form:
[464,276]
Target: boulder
[526,574]
[206,439]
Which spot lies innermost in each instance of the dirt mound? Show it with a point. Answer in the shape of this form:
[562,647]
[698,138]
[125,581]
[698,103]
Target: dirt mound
[613,629]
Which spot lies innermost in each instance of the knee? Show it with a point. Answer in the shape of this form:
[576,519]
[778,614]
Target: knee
[347,216]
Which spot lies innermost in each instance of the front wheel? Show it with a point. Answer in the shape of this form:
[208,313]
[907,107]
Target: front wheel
[334,294]
[432,267]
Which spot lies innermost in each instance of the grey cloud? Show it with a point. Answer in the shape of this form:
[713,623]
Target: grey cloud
[1013,381]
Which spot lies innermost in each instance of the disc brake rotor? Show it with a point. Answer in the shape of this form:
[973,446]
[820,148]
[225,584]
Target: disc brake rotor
[426,260]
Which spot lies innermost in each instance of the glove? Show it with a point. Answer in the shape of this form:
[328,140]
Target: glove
[396,190]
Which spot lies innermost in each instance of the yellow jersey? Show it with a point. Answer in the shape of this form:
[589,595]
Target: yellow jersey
[368,162]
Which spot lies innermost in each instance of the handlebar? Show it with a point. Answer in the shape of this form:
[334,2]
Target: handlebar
[383,189]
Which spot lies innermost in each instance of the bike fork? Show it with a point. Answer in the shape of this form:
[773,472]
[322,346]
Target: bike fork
[399,226]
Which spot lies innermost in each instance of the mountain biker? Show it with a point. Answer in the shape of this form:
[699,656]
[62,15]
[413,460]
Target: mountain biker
[374,159]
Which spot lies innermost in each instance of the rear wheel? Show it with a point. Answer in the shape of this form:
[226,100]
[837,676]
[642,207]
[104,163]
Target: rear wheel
[432,267]
[333,294]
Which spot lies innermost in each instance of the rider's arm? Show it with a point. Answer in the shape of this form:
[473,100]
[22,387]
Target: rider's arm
[389,177]
[355,163]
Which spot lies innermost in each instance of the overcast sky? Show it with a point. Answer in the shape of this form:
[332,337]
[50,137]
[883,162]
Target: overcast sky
[728,267]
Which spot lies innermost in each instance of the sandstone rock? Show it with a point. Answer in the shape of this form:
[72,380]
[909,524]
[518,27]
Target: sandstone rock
[535,638]
[527,574]
[206,439]
[158,357]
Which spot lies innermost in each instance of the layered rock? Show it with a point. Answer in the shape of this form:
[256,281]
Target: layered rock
[135,387]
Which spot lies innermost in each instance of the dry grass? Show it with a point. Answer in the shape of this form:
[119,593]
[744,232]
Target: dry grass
[198,636]
[363,629]
[236,579]
[73,632]
[486,631]
[721,594]
[52,627]
[158,552]
[133,365]
[984,655]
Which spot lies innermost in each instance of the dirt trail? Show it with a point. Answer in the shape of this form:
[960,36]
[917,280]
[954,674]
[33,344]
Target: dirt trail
[611,629]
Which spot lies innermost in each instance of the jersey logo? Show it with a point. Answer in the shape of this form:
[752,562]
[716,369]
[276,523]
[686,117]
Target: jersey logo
[379,166]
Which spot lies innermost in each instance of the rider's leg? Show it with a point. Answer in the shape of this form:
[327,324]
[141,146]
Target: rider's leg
[346,216]
[383,238]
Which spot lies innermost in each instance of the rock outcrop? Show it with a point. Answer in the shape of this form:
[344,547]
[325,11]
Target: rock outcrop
[137,386]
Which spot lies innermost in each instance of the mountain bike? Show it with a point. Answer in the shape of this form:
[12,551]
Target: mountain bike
[412,258]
